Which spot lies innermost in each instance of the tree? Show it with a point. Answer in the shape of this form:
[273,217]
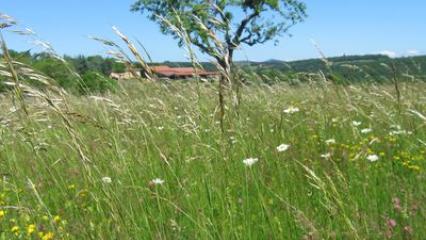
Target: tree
[96,82]
[219,27]
[56,70]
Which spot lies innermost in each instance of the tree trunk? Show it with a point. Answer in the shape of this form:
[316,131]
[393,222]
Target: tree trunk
[225,80]
[222,102]
[236,81]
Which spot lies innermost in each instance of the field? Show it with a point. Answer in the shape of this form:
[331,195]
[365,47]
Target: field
[318,161]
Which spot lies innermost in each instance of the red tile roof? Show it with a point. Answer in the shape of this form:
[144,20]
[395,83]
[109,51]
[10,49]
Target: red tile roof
[180,71]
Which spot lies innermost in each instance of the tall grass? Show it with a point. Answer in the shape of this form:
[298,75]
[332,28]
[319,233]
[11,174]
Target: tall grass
[151,162]
[208,193]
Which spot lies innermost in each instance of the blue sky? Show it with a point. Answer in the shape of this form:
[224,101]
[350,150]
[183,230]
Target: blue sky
[338,26]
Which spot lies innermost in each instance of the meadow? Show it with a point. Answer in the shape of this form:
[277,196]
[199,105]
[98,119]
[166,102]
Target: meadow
[314,161]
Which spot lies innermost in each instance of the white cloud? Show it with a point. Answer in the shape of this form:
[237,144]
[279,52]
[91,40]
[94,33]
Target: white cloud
[413,52]
[389,53]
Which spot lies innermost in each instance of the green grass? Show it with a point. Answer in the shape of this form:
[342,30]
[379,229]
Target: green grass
[52,173]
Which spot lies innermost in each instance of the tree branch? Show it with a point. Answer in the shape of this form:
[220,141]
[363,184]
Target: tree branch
[204,48]
[236,40]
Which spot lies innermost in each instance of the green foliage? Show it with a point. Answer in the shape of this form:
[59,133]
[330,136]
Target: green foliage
[77,75]
[56,70]
[94,82]
[83,64]
[118,67]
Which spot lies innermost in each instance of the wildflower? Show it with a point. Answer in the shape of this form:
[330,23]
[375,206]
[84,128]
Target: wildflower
[356,123]
[13,109]
[160,128]
[400,132]
[326,155]
[157,181]
[31,229]
[250,161]
[57,219]
[15,230]
[366,130]
[2,213]
[408,230]
[83,193]
[106,180]
[48,236]
[391,223]
[283,147]
[291,110]
[397,204]
[395,126]
[414,168]
[330,141]
[372,158]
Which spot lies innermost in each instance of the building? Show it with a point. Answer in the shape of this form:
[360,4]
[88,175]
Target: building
[166,72]
[181,72]
[123,76]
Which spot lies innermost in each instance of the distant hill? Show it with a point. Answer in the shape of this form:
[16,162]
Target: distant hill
[347,68]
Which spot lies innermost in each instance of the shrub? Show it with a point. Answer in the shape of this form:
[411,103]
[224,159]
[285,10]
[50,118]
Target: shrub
[94,82]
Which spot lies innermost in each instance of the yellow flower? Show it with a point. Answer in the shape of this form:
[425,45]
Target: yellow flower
[414,168]
[57,219]
[15,230]
[2,213]
[48,236]
[31,229]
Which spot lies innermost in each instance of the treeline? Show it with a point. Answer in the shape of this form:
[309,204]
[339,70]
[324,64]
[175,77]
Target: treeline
[79,75]
[345,69]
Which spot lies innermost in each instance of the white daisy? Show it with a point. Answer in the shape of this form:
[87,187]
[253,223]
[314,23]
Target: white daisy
[400,132]
[356,123]
[106,180]
[366,130]
[396,126]
[291,110]
[250,161]
[283,147]
[372,158]
[13,109]
[157,181]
